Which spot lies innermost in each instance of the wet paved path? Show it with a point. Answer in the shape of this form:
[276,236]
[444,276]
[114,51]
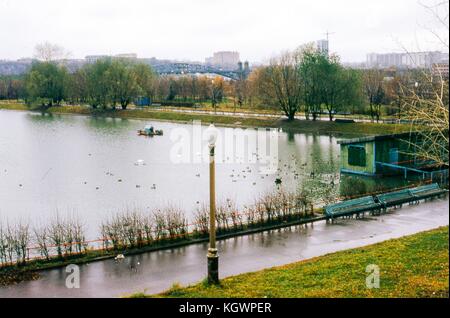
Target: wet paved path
[323,117]
[157,271]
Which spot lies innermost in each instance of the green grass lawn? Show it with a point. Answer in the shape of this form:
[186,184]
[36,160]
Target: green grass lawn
[298,126]
[412,266]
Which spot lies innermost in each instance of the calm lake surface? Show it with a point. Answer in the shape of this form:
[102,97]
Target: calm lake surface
[87,166]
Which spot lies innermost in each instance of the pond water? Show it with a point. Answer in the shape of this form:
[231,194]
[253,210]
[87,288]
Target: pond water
[94,167]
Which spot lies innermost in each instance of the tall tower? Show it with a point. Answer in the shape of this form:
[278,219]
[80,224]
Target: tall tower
[322,47]
[240,66]
[246,67]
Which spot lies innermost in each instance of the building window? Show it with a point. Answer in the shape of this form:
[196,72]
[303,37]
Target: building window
[357,156]
[393,156]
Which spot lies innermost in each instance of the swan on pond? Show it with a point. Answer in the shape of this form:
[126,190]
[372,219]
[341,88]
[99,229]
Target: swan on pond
[139,162]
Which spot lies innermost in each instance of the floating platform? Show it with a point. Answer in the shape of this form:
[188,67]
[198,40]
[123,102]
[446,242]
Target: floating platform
[143,132]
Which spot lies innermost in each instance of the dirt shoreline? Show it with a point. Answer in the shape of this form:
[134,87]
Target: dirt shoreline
[294,126]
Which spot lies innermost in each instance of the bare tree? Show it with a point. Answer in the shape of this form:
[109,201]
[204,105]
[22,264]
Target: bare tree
[373,85]
[3,246]
[78,235]
[41,237]
[56,234]
[48,52]
[22,241]
[201,218]
[159,219]
[176,222]
[426,102]
[282,83]
[429,116]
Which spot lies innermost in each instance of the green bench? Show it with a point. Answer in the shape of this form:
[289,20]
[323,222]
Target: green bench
[383,201]
[353,206]
[396,198]
[427,191]
[413,195]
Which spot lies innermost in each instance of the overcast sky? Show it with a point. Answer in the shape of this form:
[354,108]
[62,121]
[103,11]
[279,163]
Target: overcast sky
[193,29]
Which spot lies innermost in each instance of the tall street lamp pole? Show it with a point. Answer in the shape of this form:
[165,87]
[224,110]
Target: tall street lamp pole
[213,257]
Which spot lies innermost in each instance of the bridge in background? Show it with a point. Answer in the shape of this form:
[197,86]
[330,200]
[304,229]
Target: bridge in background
[163,67]
[178,68]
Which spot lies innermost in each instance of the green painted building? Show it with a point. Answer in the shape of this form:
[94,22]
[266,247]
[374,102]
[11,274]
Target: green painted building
[379,155]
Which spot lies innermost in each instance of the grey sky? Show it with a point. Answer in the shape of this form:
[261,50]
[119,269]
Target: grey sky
[193,29]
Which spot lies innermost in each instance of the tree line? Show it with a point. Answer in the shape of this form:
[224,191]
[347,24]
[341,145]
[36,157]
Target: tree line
[107,83]
[304,80]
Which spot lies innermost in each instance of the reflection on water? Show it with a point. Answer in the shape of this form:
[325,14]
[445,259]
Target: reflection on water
[85,165]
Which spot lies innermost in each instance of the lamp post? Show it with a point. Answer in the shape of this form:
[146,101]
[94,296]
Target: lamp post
[213,257]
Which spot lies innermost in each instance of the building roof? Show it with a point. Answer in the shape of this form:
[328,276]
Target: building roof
[374,138]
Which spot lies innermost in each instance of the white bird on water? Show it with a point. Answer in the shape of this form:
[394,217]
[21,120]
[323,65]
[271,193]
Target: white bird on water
[139,162]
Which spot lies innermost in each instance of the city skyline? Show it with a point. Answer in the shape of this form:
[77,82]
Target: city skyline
[94,28]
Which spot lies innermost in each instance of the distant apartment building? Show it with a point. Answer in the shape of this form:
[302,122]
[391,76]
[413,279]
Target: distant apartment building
[440,69]
[355,65]
[126,56]
[95,58]
[406,60]
[322,46]
[18,67]
[224,59]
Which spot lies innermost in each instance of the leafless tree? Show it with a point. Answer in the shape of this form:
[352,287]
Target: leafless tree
[14,242]
[235,216]
[260,210]
[48,52]
[159,219]
[268,203]
[281,81]
[147,225]
[56,234]
[41,236]
[250,213]
[22,241]
[111,232]
[373,85]
[176,222]
[10,242]
[79,238]
[3,245]
[201,219]
[222,216]
[426,102]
